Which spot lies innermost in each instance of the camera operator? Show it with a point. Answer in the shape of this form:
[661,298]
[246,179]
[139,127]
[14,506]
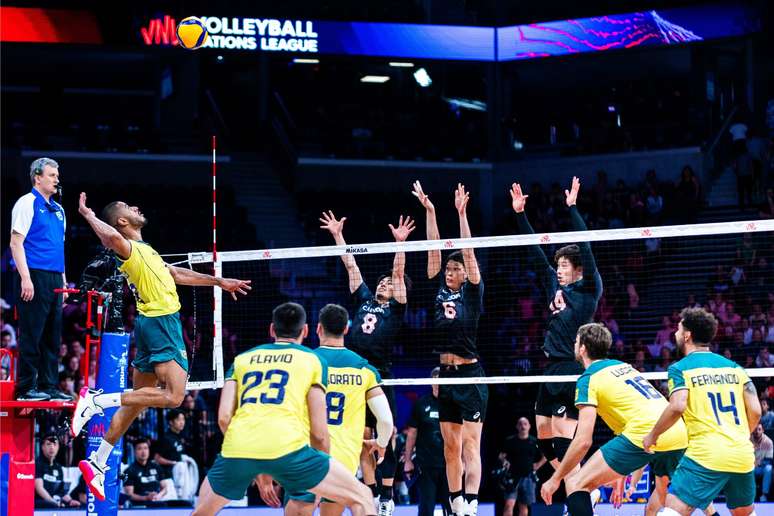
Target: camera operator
[519,461]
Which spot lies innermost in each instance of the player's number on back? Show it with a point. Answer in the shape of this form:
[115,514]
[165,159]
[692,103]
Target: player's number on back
[450,310]
[275,393]
[369,323]
[718,407]
[334,402]
[644,387]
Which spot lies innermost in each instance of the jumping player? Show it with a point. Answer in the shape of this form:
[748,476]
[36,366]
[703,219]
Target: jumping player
[352,384]
[161,358]
[720,407]
[629,405]
[458,306]
[572,292]
[271,407]
[376,324]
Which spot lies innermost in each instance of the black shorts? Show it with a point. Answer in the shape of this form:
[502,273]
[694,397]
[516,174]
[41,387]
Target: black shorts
[389,391]
[558,399]
[467,402]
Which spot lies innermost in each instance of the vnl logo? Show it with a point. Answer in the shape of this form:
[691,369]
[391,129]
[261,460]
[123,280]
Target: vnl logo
[160,32]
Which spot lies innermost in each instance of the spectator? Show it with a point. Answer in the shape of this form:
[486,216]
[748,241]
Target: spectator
[424,442]
[3,373]
[50,487]
[764,455]
[37,245]
[654,204]
[519,461]
[691,302]
[666,360]
[743,168]
[5,325]
[689,192]
[767,416]
[764,358]
[5,343]
[757,318]
[143,478]
[639,361]
[67,383]
[663,337]
[172,446]
[731,318]
[738,137]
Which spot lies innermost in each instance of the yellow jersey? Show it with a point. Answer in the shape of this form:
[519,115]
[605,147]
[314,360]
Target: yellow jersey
[350,377]
[150,280]
[627,403]
[716,418]
[272,415]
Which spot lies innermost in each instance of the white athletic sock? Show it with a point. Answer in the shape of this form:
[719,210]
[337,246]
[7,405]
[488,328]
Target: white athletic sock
[666,511]
[103,453]
[108,400]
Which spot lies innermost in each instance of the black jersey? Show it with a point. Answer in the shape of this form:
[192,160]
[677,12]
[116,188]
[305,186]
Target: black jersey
[456,318]
[375,327]
[145,479]
[570,306]
[522,454]
[429,444]
[52,476]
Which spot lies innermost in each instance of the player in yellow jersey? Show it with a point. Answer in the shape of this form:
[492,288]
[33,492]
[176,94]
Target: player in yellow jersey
[720,407]
[271,407]
[352,383]
[629,405]
[161,355]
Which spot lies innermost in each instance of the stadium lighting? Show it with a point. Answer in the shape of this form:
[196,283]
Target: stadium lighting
[475,105]
[423,78]
[301,60]
[377,79]
[399,64]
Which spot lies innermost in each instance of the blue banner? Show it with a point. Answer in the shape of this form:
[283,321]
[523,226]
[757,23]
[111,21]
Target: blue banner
[111,377]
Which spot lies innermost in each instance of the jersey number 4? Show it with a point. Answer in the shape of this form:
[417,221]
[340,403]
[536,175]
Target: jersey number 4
[275,393]
[718,407]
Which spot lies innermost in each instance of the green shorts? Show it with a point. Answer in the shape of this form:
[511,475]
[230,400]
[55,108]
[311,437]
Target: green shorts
[697,486]
[297,471]
[159,339]
[624,457]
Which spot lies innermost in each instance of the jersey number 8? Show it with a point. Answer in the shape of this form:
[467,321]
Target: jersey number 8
[275,394]
[369,323]
[334,402]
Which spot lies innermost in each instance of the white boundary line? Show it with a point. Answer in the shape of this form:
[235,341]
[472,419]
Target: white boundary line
[687,230]
[763,372]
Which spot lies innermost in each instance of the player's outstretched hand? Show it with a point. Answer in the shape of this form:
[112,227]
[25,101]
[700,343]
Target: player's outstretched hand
[82,208]
[549,488]
[329,222]
[571,195]
[422,196]
[461,198]
[372,447]
[268,490]
[235,285]
[518,198]
[404,229]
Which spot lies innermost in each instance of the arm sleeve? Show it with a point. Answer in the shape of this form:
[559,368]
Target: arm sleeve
[587,257]
[545,271]
[131,478]
[675,379]
[476,293]
[380,408]
[362,294]
[22,214]
[585,391]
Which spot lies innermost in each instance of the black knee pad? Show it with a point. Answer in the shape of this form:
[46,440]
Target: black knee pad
[390,463]
[561,445]
[547,448]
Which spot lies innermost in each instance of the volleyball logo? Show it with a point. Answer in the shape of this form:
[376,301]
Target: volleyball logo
[191,33]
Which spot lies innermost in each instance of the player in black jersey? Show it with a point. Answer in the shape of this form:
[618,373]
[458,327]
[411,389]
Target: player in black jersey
[376,324]
[458,306]
[572,291]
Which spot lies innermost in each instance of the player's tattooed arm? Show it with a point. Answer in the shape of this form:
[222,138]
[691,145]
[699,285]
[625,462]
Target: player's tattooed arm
[336,229]
[752,405]
[433,257]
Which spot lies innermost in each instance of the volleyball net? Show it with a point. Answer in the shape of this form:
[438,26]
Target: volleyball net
[648,275]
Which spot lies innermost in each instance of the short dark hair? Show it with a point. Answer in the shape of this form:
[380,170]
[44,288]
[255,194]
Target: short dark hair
[141,440]
[406,279]
[571,252]
[110,213]
[174,414]
[456,256]
[701,323]
[66,375]
[334,319]
[597,340]
[289,320]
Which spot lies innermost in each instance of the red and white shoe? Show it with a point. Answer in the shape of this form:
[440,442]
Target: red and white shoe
[84,410]
[94,476]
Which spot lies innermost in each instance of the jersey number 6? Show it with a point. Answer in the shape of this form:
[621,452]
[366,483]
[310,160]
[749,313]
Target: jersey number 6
[450,310]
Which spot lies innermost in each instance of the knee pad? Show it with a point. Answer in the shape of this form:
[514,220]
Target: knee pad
[389,465]
[561,445]
[547,448]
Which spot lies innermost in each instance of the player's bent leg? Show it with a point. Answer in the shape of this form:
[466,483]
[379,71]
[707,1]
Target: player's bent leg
[331,509]
[674,506]
[563,430]
[544,435]
[299,508]
[209,502]
[579,485]
[508,506]
[339,485]
[743,511]
[173,378]
[657,499]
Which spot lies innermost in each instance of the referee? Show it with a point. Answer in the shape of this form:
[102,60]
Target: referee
[37,244]
[424,434]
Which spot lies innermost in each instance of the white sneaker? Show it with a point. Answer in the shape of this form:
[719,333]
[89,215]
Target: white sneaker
[377,501]
[385,508]
[94,476]
[595,495]
[457,506]
[84,410]
[470,508]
